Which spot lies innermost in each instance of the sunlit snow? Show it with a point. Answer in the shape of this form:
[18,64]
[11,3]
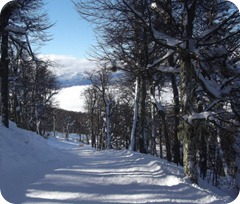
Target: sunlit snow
[35,170]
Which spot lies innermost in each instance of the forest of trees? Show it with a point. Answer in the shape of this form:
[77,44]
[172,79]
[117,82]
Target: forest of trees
[27,84]
[148,50]
[167,83]
[66,122]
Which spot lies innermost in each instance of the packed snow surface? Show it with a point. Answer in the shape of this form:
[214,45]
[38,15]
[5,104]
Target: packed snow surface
[35,170]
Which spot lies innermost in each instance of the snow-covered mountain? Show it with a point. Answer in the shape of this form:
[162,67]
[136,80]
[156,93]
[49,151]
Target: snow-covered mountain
[73,79]
[35,170]
[69,70]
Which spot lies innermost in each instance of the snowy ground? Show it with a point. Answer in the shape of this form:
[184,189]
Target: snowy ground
[34,170]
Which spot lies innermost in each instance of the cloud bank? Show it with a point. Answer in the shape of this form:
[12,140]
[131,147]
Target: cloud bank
[67,64]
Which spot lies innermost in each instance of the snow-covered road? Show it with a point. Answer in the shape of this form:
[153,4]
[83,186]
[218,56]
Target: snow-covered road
[36,171]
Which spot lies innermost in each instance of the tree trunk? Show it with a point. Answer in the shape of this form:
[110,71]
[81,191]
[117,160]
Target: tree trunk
[133,146]
[166,135]
[189,153]
[187,130]
[203,155]
[108,131]
[176,146]
[142,136]
[187,96]
[5,15]
[54,125]
[153,135]
[93,138]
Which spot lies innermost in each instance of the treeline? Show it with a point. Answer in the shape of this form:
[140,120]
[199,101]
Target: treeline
[26,82]
[188,49]
[66,122]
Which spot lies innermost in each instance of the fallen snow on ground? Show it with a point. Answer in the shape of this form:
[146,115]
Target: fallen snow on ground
[35,170]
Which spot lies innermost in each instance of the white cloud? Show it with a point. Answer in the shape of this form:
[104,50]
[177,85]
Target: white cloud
[69,65]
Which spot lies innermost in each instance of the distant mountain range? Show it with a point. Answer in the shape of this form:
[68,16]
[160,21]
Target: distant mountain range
[78,79]
[73,79]
[69,70]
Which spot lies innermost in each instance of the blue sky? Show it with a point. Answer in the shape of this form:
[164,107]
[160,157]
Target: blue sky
[71,35]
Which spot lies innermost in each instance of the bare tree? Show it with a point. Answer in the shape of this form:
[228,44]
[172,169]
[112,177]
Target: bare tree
[21,22]
[194,42]
[5,15]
